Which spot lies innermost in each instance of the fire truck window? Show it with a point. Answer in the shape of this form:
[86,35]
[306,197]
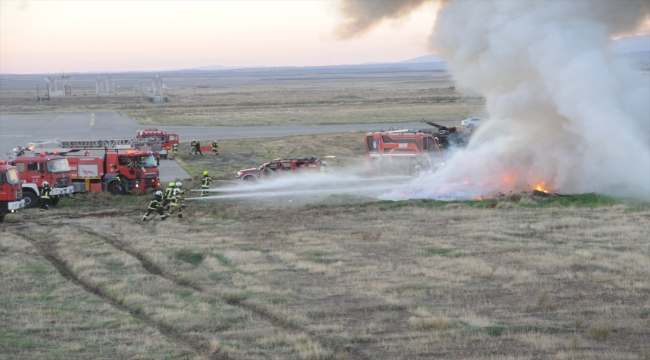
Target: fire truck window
[21,167]
[387,140]
[372,146]
[432,144]
[2,179]
[33,166]
[125,161]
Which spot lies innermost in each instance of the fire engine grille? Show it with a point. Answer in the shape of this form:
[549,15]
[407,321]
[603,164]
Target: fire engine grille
[63,181]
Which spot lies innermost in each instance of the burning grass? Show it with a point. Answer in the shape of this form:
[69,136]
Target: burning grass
[412,279]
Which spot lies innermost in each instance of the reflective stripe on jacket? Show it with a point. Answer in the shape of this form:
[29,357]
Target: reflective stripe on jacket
[45,192]
[169,193]
[154,204]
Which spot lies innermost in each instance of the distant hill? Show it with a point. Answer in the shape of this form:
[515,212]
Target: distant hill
[423,59]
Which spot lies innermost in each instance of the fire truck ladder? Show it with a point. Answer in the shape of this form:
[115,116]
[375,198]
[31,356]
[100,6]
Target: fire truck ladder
[106,144]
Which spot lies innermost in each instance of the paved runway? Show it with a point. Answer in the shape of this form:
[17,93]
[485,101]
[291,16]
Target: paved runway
[23,128]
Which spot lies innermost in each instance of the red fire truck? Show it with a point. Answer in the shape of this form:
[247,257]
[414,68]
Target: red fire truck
[166,141]
[138,168]
[86,172]
[402,151]
[11,192]
[44,166]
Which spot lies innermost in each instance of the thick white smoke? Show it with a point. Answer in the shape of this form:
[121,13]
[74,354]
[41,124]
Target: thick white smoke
[564,109]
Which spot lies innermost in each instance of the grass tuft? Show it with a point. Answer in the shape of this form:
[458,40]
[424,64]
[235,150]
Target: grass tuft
[190,257]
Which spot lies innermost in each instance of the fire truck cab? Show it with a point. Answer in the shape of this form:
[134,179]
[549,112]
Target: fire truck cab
[44,166]
[10,190]
[138,169]
[402,152]
[165,140]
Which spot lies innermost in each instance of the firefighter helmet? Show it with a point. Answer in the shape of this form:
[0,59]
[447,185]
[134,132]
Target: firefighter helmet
[179,184]
[324,163]
[158,193]
[176,191]
[45,183]
[206,173]
[172,184]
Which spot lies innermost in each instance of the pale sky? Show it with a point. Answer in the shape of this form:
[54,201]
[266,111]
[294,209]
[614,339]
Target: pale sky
[79,36]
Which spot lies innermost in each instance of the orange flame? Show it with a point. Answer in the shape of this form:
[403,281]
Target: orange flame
[540,187]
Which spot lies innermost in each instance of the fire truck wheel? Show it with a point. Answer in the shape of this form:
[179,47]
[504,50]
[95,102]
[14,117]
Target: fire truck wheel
[117,189]
[30,198]
[55,201]
[2,218]
[250,178]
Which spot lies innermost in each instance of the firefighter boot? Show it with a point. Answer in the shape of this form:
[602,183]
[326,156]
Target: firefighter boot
[144,218]
[180,216]
[163,218]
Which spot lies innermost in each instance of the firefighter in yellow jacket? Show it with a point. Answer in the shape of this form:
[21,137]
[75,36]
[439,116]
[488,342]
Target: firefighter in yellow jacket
[215,148]
[179,191]
[155,205]
[205,183]
[45,196]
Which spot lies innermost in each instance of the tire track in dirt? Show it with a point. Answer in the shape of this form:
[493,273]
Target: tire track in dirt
[48,251]
[113,239]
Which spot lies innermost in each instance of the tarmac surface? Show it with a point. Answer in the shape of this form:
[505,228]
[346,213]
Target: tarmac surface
[19,129]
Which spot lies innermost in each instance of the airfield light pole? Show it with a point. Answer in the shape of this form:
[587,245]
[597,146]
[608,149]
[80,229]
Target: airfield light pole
[38,92]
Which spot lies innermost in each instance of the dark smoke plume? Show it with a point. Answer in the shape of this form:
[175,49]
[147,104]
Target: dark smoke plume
[361,15]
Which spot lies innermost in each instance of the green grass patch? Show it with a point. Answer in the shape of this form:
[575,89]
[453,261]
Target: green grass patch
[222,259]
[415,287]
[112,265]
[185,293]
[317,257]
[190,257]
[239,297]
[446,252]
[498,330]
[37,268]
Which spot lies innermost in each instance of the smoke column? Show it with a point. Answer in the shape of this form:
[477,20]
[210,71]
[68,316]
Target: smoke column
[564,109]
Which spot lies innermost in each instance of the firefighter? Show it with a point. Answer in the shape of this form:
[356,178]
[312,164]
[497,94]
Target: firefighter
[215,148]
[174,151]
[181,200]
[118,173]
[193,147]
[205,183]
[45,196]
[167,197]
[197,148]
[174,203]
[155,206]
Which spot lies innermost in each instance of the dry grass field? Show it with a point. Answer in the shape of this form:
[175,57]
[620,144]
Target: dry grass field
[268,98]
[531,278]
[332,277]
